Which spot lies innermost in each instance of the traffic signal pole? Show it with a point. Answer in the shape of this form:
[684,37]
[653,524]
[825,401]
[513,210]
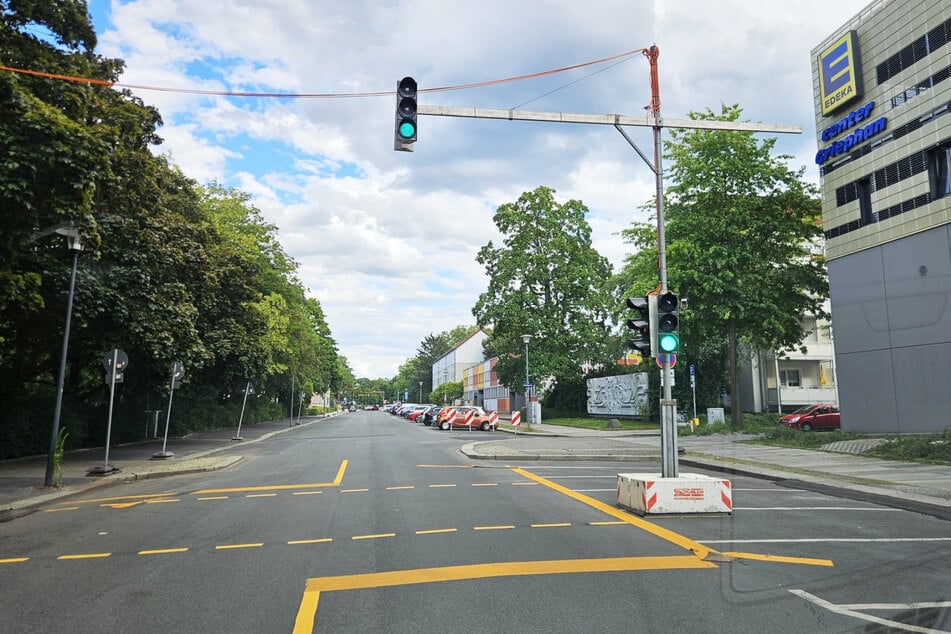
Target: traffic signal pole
[669,465]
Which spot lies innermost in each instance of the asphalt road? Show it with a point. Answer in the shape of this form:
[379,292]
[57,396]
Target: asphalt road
[366,522]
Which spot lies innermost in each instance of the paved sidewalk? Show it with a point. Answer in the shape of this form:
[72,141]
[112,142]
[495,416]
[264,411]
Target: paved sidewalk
[22,481]
[902,484]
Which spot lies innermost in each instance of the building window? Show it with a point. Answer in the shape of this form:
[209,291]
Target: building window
[863,192]
[789,378]
[938,173]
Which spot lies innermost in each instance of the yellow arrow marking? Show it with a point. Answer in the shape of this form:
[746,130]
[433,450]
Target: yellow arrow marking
[280,487]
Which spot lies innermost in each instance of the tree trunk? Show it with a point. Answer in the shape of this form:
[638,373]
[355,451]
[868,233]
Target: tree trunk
[735,411]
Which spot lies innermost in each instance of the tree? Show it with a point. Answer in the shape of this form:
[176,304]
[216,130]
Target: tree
[742,230]
[548,281]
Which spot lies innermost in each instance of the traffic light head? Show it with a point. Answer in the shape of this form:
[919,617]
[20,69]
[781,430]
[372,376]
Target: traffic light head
[640,325]
[668,323]
[406,128]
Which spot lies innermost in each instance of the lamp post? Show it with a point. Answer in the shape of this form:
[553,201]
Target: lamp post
[75,246]
[420,391]
[528,405]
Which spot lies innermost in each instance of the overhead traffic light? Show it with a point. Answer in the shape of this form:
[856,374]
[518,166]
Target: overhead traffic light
[668,323]
[640,324]
[405,133]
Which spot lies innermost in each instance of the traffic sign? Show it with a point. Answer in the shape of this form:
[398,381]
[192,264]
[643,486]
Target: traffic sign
[661,357]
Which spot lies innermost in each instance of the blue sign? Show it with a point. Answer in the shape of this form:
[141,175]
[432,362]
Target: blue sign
[693,370]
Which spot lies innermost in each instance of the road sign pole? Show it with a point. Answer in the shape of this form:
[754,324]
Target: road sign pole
[112,394]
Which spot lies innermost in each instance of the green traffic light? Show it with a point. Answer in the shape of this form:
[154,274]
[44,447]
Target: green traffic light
[407,130]
[668,343]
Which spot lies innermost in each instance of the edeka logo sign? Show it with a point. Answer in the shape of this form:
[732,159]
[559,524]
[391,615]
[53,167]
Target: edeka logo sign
[853,121]
[840,73]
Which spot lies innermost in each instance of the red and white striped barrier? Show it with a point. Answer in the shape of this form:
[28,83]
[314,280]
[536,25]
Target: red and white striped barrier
[493,418]
[689,493]
[470,415]
[516,419]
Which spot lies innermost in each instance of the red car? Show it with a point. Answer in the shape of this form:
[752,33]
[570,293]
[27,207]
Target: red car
[820,416]
[480,419]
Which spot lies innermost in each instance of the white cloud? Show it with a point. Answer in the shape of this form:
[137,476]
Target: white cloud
[387,240]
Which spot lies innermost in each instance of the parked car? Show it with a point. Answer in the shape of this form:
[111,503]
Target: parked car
[820,416]
[416,412]
[480,419]
[429,416]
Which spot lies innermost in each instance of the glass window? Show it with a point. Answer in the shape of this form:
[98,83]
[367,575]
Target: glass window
[938,172]
[789,378]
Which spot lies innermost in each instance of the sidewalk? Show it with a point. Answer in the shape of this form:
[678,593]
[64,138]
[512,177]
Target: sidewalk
[913,486]
[21,481]
[919,487]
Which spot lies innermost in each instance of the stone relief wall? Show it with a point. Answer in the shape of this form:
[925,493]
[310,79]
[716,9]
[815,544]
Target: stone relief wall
[622,395]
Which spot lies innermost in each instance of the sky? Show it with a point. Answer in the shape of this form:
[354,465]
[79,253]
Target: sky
[385,240]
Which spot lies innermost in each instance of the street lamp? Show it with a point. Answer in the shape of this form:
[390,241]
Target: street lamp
[420,391]
[528,405]
[75,246]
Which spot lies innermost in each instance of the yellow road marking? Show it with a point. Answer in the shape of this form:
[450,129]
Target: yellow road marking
[441,486]
[437,530]
[280,487]
[306,492]
[124,497]
[492,528]
[401,488]
[308,607]
[85,556]
[322,540]
[677,539]
[445,466]
[781,559]
[121,505]
[233,546]
[485,484]
[524,484]
[549,525]
[65,508]
[354,490]
[162,501]
[15,560]
[612,523]
[214,497]
[377,536]
[261,495]
[163,551]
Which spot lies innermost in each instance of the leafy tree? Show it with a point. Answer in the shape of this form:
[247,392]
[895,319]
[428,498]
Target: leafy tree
[741,234]
[546,280]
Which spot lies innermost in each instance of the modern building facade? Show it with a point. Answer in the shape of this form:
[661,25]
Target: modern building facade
[480,386]
[883,125]
[450,366]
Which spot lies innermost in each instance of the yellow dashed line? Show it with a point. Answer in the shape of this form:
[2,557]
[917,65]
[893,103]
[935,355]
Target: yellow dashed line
[402,488]
[261,495]
[15,560]
[485,484]
[67,508]
[124,497]
[524,484]
[354,490]
[441,486]
[492,528]
[234,546]
[163,551]
[612,523]
[306,492]
[549,525]
[85,556]
[437,530]
[377,536]
[215,497]
[162,501]
[322,540]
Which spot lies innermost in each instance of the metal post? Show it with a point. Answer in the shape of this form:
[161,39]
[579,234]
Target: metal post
[112,394]
[62,368]
[247,389]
